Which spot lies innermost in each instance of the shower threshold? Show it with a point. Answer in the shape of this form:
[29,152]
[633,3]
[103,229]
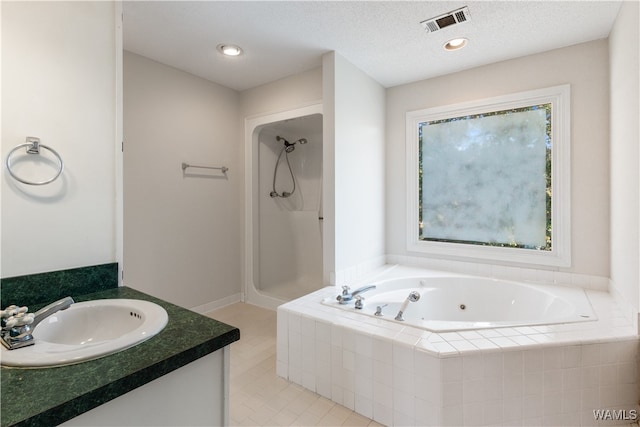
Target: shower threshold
[291,290]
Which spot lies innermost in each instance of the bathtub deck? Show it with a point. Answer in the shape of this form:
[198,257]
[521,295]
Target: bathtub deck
[401,375]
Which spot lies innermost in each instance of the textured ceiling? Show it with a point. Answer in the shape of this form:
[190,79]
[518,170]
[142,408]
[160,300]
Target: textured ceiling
[382,38]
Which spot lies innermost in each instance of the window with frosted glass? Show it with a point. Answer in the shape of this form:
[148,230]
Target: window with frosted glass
[485,179]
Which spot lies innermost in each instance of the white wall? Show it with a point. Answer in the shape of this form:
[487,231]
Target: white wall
[625,153]
[355,112]
[181,232]
[585,68]
[289,93]
[184,235]
[59,84]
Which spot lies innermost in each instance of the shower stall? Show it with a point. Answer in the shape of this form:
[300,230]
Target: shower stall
[284,233]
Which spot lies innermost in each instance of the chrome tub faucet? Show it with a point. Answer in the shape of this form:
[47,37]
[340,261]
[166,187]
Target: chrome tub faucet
[347,296]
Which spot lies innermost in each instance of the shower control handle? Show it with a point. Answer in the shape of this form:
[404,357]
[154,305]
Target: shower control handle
[345,296]
[379,310]
[359,302]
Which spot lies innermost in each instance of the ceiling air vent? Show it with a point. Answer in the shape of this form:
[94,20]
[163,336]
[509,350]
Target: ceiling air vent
[439,22]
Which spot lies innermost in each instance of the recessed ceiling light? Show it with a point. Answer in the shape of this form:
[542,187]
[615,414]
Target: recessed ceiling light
[229,49]
[455,44]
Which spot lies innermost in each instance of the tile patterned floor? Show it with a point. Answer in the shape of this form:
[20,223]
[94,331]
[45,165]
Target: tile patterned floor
[258,397]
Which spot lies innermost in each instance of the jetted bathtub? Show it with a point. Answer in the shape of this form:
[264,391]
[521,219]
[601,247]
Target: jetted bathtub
[421,372]
[457,303]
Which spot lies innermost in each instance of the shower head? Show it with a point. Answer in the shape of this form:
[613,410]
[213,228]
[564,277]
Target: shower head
[290,146]
[414,296]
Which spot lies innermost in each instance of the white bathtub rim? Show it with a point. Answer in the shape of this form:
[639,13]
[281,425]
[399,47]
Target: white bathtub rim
[608,328]
[445,326]
[585,311]
[411,337]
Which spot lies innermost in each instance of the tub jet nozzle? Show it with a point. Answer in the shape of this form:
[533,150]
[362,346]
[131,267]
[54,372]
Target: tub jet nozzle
[413,297]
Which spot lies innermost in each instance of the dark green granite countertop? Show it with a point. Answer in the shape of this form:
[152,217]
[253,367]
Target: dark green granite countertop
[50,396]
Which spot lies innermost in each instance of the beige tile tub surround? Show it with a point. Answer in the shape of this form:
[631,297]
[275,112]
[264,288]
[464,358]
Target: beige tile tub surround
[260,398]
[398,375]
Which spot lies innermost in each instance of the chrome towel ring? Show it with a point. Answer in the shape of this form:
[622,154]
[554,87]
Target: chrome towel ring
[33,147]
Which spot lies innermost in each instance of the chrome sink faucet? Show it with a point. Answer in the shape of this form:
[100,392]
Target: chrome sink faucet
[347,296]
[17,324]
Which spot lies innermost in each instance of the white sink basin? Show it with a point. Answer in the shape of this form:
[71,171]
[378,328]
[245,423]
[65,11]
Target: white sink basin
[88,330]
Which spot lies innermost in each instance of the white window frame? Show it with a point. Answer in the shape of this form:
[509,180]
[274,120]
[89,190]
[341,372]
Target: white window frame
[560,253]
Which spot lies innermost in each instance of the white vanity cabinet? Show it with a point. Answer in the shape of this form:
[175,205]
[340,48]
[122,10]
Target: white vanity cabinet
[196,395]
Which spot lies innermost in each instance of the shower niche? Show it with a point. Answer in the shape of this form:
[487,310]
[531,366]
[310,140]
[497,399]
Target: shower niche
[287,209]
